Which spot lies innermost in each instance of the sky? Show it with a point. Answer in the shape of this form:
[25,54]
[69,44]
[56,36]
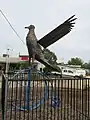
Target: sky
[46,15]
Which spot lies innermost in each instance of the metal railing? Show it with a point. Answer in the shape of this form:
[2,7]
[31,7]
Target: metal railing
[33,96]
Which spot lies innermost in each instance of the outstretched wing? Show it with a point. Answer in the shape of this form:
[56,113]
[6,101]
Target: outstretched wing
[58,32]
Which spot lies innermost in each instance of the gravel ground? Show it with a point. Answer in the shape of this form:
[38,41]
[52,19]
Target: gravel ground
[75,104]
[72,108]
[47,113]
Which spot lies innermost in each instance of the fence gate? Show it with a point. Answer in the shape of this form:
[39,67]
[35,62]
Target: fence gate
[32,96]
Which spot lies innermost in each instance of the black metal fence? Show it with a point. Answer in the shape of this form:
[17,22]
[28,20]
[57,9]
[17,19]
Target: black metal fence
[37,97]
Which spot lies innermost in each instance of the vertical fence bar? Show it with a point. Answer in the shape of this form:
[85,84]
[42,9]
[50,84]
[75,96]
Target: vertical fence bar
[71,98]
[44,106]
[77,98]
[20,97]
[82,98]
[37,98]
[3,96]
[68,116]
[58,115]
[54,96]
[64,99]
[16,99]
[88,98]
[48,94]
[51,90]
[11,100]
[68,112]
[33,97]
[74,99]
[24,92]
[61,97]
[6,95]
[9,93]
[41,92]
[86,93]
[29,90]
[48,99]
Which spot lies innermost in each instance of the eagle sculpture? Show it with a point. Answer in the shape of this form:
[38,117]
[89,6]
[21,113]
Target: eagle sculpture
[34,45]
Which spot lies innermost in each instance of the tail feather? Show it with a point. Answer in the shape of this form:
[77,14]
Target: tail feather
[49,65]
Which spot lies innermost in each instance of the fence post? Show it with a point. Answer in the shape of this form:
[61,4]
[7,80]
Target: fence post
[3,96]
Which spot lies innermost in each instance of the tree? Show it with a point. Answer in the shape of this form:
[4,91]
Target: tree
[51,58]
[19,65]
[75,61]
[86,65]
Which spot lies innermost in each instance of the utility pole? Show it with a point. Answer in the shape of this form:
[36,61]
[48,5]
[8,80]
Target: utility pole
[6,83]
[7,61]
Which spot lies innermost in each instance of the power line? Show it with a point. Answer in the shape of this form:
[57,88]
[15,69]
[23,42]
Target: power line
[12,27]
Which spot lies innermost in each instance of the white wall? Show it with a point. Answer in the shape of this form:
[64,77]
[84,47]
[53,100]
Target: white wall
[10,59]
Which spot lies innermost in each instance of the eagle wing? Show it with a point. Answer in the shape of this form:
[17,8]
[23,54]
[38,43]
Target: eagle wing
[58,32]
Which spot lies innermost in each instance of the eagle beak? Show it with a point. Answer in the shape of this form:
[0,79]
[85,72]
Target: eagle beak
[26,27]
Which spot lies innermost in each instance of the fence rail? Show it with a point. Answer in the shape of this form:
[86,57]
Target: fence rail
[38,97]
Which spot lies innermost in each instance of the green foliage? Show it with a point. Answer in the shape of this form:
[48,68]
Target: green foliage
[50,56]
[86,65]
[75,61]
[45,69]
[24,64]
[19,65]
[79,61]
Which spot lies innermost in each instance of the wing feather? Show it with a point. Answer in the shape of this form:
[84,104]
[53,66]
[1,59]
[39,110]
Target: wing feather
[58,32]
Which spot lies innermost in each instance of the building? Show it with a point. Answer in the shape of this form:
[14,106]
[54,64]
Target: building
[71,70]
[14,60]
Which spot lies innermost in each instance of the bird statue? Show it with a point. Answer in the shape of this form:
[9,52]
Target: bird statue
[34,46]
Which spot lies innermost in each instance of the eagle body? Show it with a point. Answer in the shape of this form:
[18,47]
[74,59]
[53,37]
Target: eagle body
[34,48]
